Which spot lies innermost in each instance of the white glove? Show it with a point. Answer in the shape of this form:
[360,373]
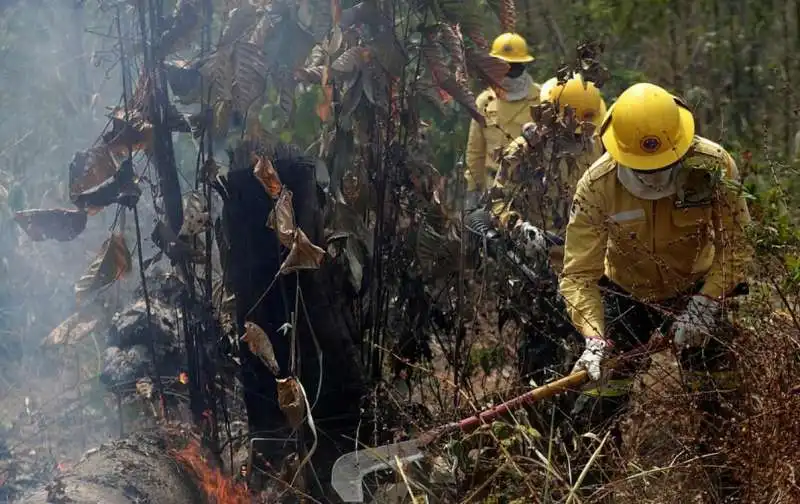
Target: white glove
[696,323]
[533,240]
[596,351]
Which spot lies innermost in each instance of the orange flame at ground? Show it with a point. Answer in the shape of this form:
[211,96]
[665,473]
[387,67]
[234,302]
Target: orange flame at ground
[219,488]
[183,377]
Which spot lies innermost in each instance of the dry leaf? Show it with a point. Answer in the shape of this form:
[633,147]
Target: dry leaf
[111,263]
[349,61]
[135,133]
[196,218]
[290,400]
[59,224]
[89,169]
[326,101]
[303,255]
[281,219]
[249,75]
[71,331]
[209,171]
[259,344]
[266,174]
[508,15]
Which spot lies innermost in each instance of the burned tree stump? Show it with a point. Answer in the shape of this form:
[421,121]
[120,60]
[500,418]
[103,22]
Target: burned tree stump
[146,467]
[255,256]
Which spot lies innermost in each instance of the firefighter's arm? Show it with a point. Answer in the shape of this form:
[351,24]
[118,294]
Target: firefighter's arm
[732,250]
[504,187]
[584,260]
[476,158]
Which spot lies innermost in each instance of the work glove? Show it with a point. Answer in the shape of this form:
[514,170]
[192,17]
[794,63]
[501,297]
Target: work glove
[596,351]
[532,239]
[696,323]
[472,200]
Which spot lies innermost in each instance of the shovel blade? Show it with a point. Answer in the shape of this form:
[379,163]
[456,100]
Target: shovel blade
[349,470]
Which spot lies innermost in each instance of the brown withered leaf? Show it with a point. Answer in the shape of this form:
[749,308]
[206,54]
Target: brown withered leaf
[290,401]
[281,219]
[349,61]
[453,42]
[462,94]
[196,218]
[267,175]
[303,254]
[135,133]
[508,15]
[90,168]
[112,263]
[326,101]
[486,67]
[259,344]
[76,327]
[209,171]
[249,75]
[58,224]
[222,117]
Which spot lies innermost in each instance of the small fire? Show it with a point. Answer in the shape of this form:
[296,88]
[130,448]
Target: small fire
[219,488]
[183,377]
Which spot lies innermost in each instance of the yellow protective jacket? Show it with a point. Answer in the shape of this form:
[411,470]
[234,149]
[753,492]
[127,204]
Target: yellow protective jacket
[504,120]
[547,210]
[655,250]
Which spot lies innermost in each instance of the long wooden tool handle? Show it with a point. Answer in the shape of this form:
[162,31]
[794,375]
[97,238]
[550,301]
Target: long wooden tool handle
[574,380]
[545,391]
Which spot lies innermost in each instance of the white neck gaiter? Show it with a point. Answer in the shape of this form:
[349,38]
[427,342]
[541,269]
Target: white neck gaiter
[517,88]
[649,186]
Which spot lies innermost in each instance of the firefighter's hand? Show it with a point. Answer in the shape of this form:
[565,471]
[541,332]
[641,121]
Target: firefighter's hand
[532,239]
[696,323]
[592,357]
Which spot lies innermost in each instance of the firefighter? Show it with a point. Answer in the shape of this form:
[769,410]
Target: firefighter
[505,114]
[655,235]
[530,198]
[550,205]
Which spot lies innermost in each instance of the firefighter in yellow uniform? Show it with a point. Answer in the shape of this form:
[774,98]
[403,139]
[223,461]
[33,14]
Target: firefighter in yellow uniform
[504,115]
[531,198]
[553,183]
[655,244]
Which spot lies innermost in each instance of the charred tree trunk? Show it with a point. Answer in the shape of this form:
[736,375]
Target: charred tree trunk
[255,257]
[142,468]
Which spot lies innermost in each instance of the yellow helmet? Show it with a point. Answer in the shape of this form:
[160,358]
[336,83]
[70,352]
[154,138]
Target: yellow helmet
[582,96]
[511,48]
[647,128]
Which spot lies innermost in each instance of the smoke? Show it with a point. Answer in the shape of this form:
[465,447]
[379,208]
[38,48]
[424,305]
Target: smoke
[59,74]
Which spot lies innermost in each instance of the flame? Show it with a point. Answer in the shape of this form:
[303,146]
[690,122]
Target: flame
[218,488]
[183,377]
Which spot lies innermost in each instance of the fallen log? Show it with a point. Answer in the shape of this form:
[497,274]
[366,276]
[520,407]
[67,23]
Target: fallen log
[164,466]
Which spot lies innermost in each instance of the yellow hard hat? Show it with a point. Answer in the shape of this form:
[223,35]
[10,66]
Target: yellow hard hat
[511,48]
[581,95]
[647,128]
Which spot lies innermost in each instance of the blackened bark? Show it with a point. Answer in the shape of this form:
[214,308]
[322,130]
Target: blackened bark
[255,257]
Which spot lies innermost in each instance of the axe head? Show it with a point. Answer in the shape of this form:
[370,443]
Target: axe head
[349,470]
